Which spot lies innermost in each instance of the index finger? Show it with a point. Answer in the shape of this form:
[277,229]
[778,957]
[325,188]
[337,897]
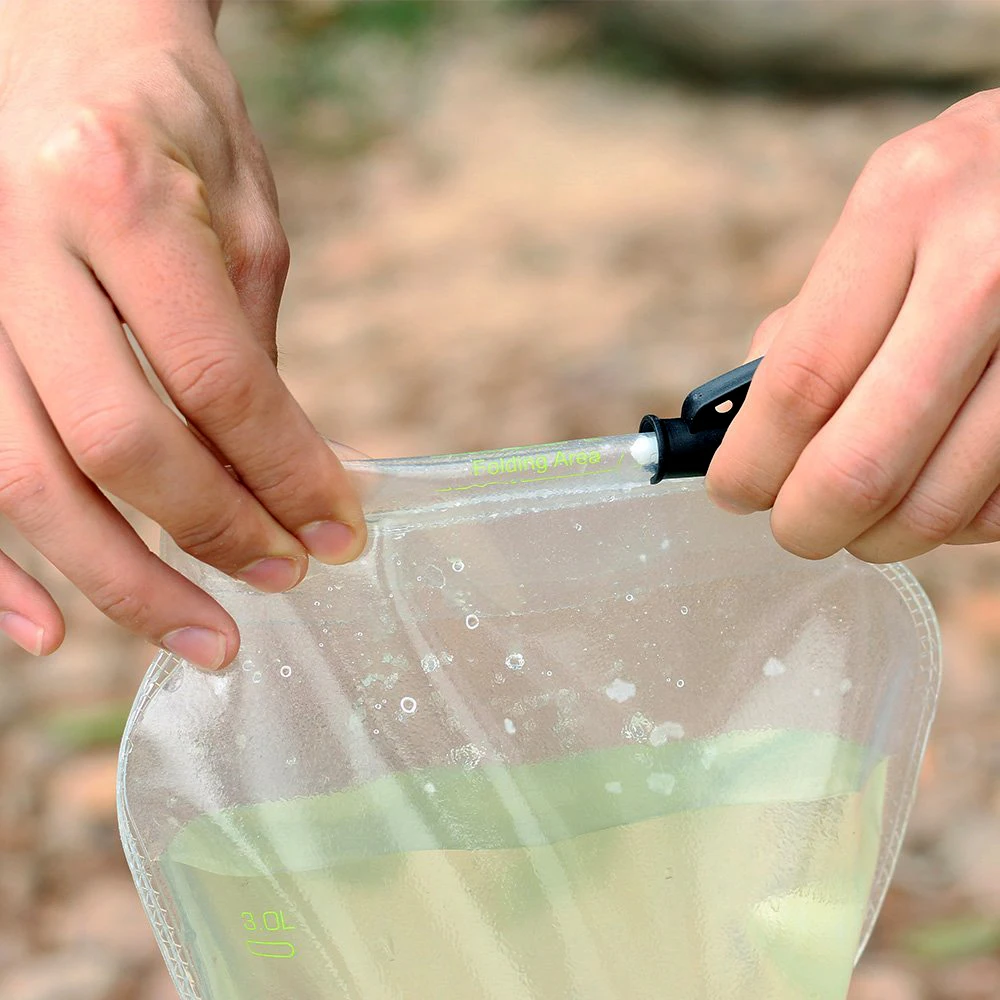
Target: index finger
[828,337]
[165,270]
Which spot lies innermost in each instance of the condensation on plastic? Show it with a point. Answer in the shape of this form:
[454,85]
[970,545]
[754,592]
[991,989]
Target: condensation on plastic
[548,587]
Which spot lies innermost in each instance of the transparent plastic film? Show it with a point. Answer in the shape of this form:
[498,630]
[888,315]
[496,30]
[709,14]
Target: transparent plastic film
[558,733]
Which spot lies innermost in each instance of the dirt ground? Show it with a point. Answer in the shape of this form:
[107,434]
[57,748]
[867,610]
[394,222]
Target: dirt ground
[528,248]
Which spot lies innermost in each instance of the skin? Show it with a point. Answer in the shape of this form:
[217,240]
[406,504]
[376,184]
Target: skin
[873,422]
[132,187]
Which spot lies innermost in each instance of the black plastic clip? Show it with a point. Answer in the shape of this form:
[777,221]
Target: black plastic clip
[687,443]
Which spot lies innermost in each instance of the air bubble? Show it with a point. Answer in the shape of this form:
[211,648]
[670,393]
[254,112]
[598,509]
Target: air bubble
[408,705]
[378,704]
[429,663]
[579,527]
[286,671]
[629,597]
[430,788]
[548,673]
[515,661]
[292,761]
[680,682]
[375,732]
[845,685]
[508,724]
[248,665]
[472,621]
[315,604]
[257,677]
[684,609]
[457,565]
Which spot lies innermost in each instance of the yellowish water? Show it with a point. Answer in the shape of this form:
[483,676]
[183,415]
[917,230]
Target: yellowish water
[635,873]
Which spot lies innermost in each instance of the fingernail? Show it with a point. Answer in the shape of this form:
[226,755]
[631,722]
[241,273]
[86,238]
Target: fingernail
[204,647]
[328,541]
[728,505]
[23,631]
[274,575]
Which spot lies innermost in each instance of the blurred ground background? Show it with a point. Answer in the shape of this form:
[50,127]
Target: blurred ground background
[522,222]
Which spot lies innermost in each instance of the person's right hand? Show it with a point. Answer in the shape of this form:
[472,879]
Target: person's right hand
[132,187]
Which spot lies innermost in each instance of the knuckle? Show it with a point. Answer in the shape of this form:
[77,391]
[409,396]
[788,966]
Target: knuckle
[261,256]
[923,157]
[985,526]
[93,155]
[127,605]
[214,541]
[929,518]
[23,484]
[109,440]
[800,383]
[858,480]
[211,380]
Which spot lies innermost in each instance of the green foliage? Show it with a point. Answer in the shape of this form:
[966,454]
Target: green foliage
[87,728]
[333,77]
[953,938]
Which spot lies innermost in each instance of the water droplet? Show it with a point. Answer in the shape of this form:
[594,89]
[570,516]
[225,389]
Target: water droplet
[430,663]
[643,557]
[817,693]
[429,788]
[457,565]
[614,787]
[684,609]
[472,621]
[292,761]
[629,597]
[408,705]
[515,661]
[845,685]
[508,724]
[774,667]
[257,677]
[620,690]
[665,544]
[286,671]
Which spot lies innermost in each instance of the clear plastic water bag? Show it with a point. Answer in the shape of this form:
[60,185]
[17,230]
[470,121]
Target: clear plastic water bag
[559,733]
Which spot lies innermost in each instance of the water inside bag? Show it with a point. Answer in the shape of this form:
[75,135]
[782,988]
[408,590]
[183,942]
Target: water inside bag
[557,734]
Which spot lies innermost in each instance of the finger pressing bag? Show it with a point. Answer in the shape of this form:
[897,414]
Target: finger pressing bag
[560,732]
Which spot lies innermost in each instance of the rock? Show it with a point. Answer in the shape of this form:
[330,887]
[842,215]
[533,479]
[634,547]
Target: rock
[76,974]
[837,40]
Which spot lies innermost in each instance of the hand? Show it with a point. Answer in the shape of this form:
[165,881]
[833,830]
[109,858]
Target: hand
[873,422]
[132,187]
